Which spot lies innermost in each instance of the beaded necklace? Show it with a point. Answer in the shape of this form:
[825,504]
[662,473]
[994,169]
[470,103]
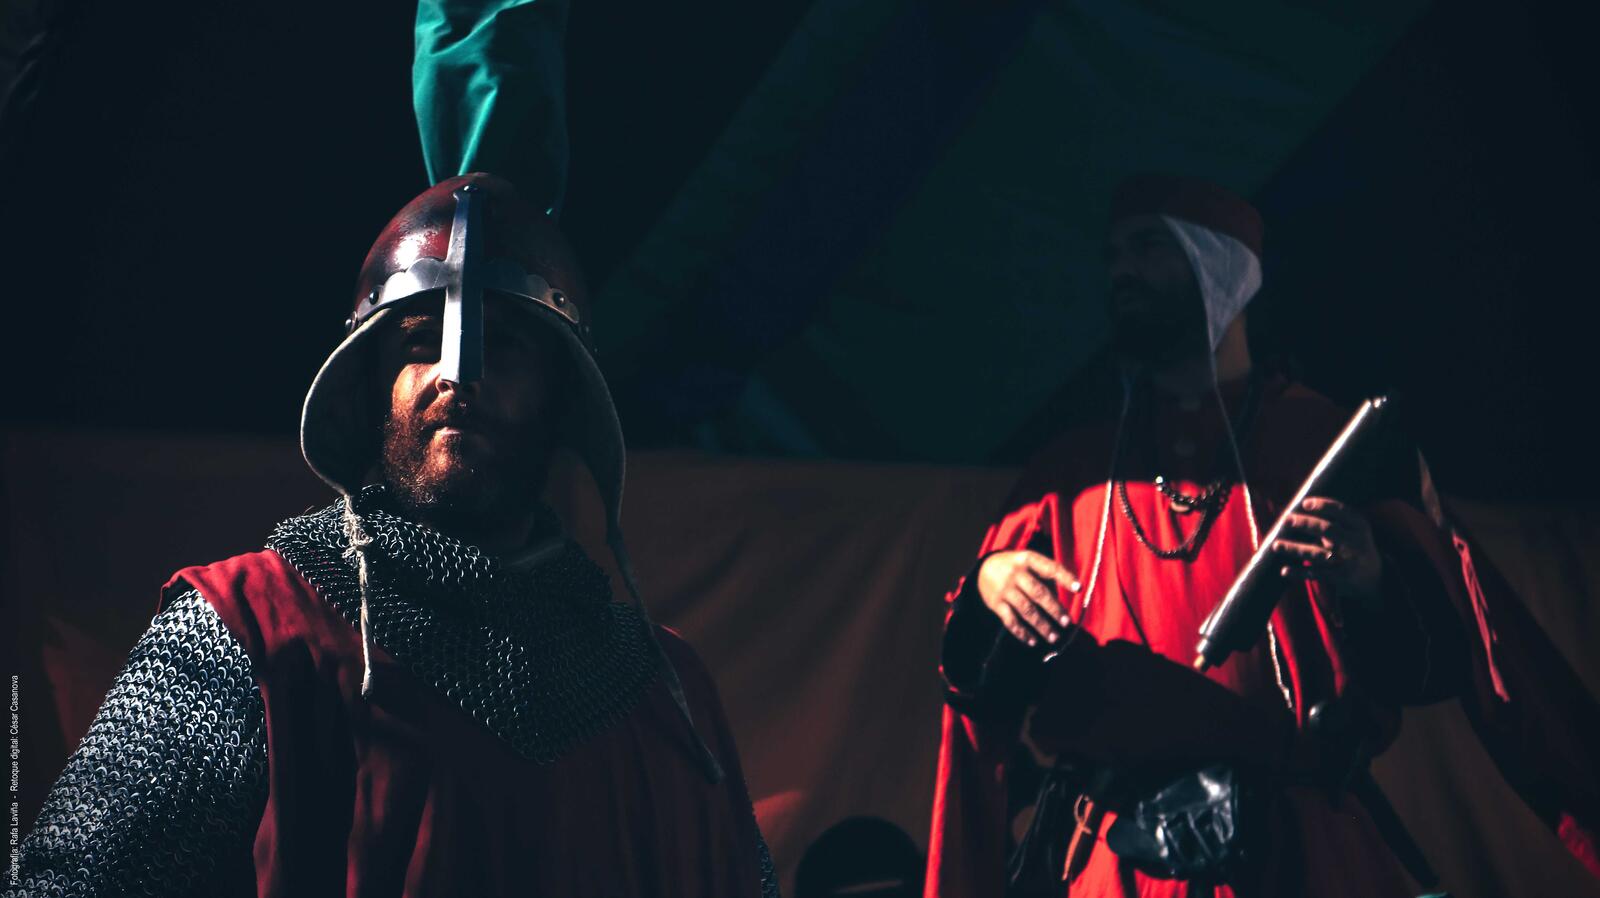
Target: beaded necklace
[1209,502]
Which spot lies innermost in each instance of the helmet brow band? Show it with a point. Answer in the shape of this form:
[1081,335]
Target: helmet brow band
[501,275]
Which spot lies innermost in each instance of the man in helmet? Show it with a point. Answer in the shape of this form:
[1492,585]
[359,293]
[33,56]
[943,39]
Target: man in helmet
[426,688]
[1082,755]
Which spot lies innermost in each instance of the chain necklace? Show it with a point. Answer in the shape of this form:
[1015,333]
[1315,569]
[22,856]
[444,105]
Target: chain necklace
[1210,501]
[1216,497]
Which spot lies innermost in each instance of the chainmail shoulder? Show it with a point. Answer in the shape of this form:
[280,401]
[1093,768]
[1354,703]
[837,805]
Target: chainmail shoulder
[538,655]
[171,776]
[769,873]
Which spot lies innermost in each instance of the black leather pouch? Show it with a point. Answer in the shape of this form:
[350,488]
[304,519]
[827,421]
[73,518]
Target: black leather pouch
[1199,826]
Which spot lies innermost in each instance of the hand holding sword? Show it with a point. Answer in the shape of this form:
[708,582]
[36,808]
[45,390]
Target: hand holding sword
[1314,537]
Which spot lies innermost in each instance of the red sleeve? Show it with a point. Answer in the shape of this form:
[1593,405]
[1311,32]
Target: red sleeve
[967,839]
[967,848]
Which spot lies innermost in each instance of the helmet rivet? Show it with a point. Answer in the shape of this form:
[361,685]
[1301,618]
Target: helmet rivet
[560,299]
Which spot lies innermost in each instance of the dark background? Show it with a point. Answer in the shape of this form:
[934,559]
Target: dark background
[189,188]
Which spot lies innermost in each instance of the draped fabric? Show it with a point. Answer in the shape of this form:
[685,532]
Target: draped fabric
[489,88]
[401,793]
[812,591]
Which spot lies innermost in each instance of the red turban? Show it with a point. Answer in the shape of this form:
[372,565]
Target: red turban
[1192,200]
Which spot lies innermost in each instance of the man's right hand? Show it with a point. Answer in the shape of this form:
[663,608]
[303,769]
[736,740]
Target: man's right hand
[1016,587]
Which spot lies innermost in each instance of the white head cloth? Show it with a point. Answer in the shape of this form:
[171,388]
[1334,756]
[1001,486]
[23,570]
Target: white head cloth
[1228,272]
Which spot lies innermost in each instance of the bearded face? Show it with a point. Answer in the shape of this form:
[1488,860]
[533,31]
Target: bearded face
[468,457]
[1156,311]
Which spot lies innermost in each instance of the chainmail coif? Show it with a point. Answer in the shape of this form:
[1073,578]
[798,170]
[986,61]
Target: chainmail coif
[539,655]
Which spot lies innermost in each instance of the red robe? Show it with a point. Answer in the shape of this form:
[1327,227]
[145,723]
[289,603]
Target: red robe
[404,794]
[1127,698]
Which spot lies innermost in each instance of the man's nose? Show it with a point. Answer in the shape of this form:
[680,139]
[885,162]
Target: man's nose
[447,386]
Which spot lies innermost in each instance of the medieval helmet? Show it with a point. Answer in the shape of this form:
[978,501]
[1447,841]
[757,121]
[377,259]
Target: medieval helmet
[461,238]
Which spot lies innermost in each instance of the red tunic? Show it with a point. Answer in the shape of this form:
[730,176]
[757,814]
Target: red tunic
[404,794]
[1116,702]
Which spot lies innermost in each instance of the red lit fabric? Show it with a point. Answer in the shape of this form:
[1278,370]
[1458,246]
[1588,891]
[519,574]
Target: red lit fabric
[1114,700]
[403,794]
[1580,842]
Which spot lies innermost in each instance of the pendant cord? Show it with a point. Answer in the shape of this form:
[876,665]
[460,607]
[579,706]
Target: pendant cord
[1105,511]
[359,539]
[1278,667]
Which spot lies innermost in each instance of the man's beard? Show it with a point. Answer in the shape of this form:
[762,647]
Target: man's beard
[468,491]
[1162,328]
